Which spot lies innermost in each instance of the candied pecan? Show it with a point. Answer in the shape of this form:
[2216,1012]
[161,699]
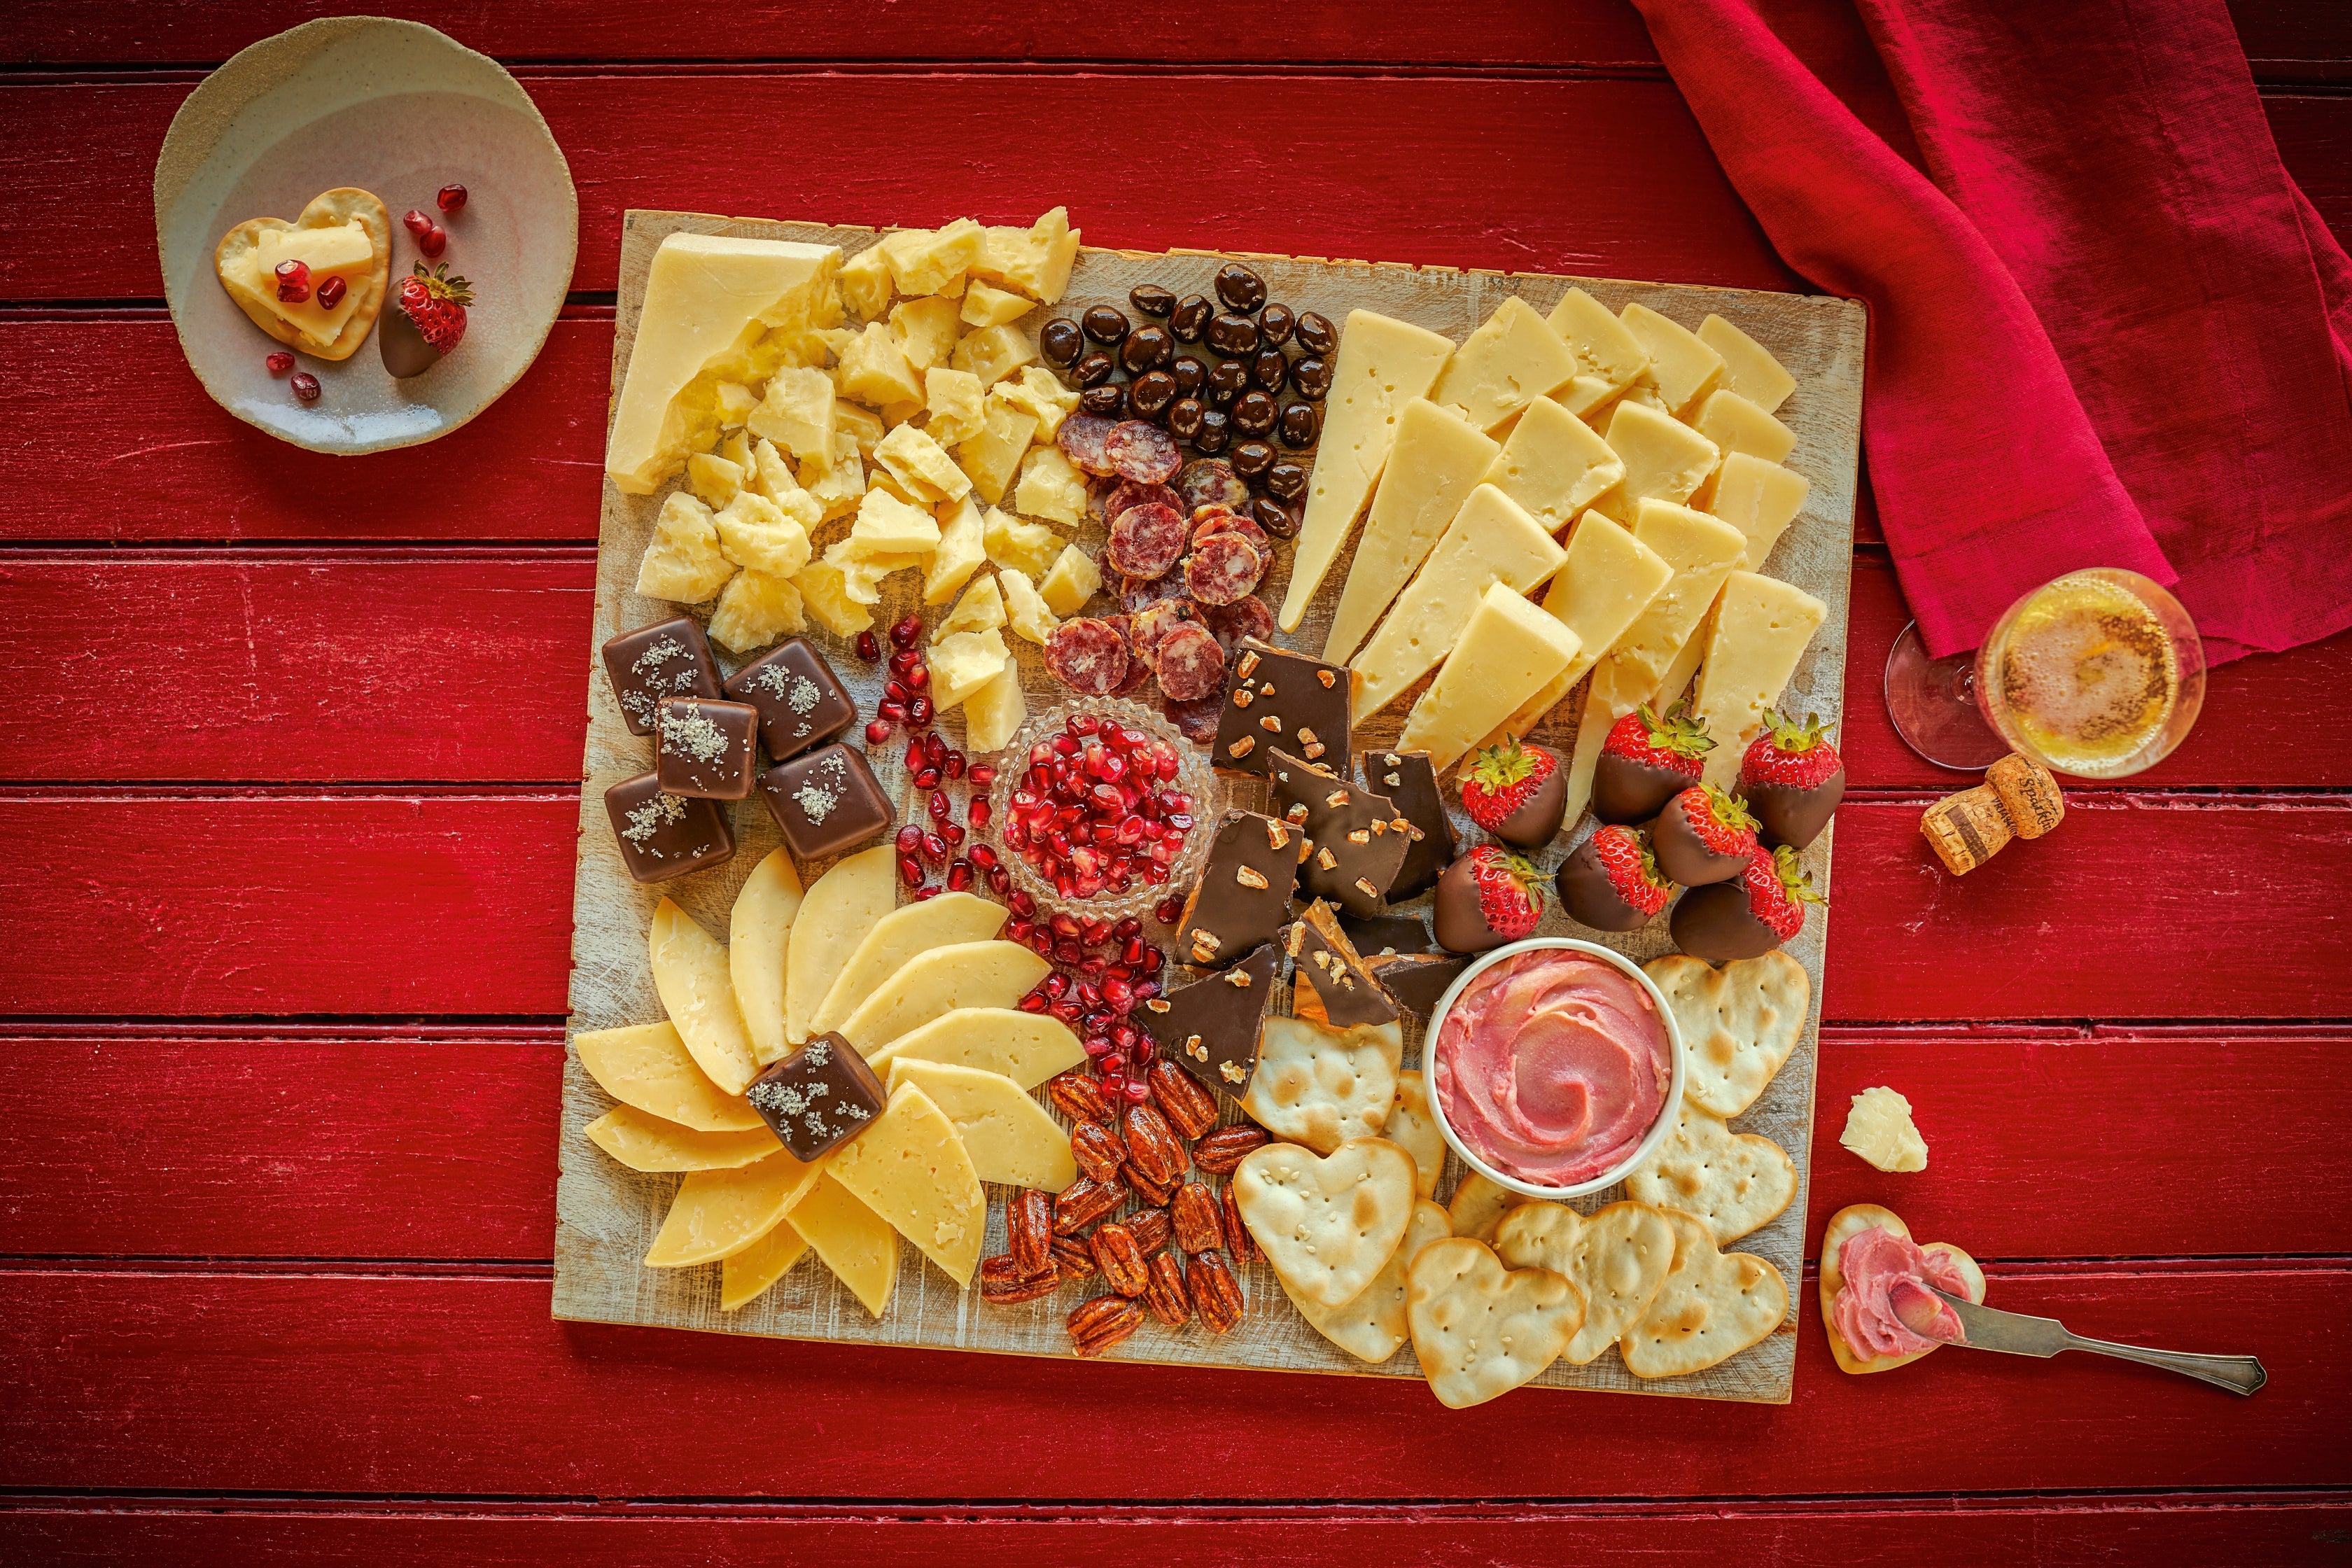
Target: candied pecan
[1165,1294]
[1222,1152]
[1216,1296]
[1199,1218]
[1152,1146]
[1157,1193]
[1243,1244]
[1120,1258]
[1029,1229]
[1098,1150]
[1002,1282]
[1103,1323]
[1083,1202]
[1179,1096]
[1073,1258]
[1151,1227]
[1079,1097]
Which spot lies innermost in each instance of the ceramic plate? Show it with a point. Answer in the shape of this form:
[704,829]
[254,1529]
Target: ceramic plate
[402,111]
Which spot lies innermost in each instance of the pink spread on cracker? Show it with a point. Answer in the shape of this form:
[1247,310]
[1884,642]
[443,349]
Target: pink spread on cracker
[1553,1065]
[1884,1307]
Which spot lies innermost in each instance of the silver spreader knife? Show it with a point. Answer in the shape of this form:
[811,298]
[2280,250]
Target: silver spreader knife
[2014,1333]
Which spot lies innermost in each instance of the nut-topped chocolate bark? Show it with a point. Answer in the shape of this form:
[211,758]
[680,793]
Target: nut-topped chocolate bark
[1244,895]
[1359,841]
[1210,1028]
[1409,781]
[1340,990]
[1277,699]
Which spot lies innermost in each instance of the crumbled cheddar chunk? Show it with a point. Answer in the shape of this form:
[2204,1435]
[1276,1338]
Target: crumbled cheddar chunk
[888,527]
[713,478]
[1071,582]
[1025,607]
[986,305]
[767,536]
[932,262]
[982,606]
[754,609]
[1035,261]
[773,476]
[1040,392]
[1880,1131]
[734,403]
[920,467]
[863,423]
[1027,547]
[840,485]
[797,413]
[824,594]
[963,547]
[953,399]
[683,562]
[963,662]
[991,457]
[993,714]
[1050,488]
[866,282]
[874,370]
[992,353]
[927,331]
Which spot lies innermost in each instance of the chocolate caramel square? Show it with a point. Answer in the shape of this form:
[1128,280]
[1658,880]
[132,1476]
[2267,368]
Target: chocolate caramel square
[671,658]
[817,1098]
[802,703]
[664,835]
[826,801]
[705,748]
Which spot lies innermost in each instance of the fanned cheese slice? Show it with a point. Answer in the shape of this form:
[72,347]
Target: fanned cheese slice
[745,1277]
[718,1214]
[854,1242]
[1028,1047]
[1760,500]
[838,911]
[1508,362]
[690,972]
[648,1066]
[967,975]
[1609,358]
[644,1142]
[758,932]
[1437,458]
[910,1167]
[1761,627]
[1008,1135]
[1664,459]
[1554,465]
[1509,649]
[897,938]
[1492,539]
[1749,367]
[1609,580]
[1683,367]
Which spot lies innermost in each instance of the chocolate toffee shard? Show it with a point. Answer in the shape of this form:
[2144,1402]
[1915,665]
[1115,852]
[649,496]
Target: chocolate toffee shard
[802,703]
[705,748]
[1387,933]
[664,835]
[1244,893]
[817,1098]
[1276,698]
[1359,841]
[826,801]
[1415,981]
[1411,784]
[670,659]
[1210,1028]
[1341,992]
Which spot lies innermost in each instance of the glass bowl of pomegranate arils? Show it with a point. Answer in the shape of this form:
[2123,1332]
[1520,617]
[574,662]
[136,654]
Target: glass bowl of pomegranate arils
[1102,809]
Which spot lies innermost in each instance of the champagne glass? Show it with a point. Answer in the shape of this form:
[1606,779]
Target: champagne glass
[2098,674]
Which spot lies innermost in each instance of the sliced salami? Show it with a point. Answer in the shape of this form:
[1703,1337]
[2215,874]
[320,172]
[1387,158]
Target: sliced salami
[1129,495]
[1155,621]
[1083,440]
[1223,568]
[1136,594]
[1196,722]
[1192,663]
[1145,540]
[1143,453]
[1139,676]
[1226,522]
[1248,617]
[1087,655]
[1211,480]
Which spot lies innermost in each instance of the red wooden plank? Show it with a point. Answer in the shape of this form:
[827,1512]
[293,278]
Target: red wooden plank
[441,1386]
[2295,40]
[2314,142]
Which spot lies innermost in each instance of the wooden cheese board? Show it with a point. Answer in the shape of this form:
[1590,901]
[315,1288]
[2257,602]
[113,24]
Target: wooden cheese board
[607,1215]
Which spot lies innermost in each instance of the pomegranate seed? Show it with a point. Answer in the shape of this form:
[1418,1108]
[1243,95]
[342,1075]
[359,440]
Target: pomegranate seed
[1136,1091]
[940,805]
[1065,923]
[982,774]
[331,293]
[954,764]
[1094,932]
[904,634]
[1065,745]
[293,281]
[1067,1011]
[305,385]
[1033,1002]
[1067,952]
[1127,929]
[910,870]
[978,813]
[1096,1022]
[959,877]
[909,838]
[935,750]
[894,711]
[895,690]
[919,710]
[279,363]
[1153,962]
[927,777]
[1114,1074]
[414,221]
[1041,943]
[933,891]
[451,198]
[876,731]
[433,241]
[1119,993]
[1146,990]
[914,755]
[1000,880]
[953,834]
[1092,968]
[1169,911]
[935,850]
[983,856]
[919,676]
[1097,1046]
[1018,931]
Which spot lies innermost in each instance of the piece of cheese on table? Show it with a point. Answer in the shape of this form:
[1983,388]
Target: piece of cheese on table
[852,1240]
[1435,459]
[992,353]
[1760,500]
[1492,539]
[1024,607]
[899,936]
[963,547]
[1584,394]
[648,1066]
[968,974]
[1761,627]
[1029,548]
[874,370]
[921,465]
[839,909]
[709,300]
[1642,395]
[1507,651]
[1008,1135]
[735,403]
[1554,465]
[690,973]
[986,305]
[713,478]
[330,250]
[682,561]
[840,485]
[991,457]
[964,662]
[883,481]
[1039,391]
[910,1167]
[886,526]
[996,712]
[797,414]
[1035,261]
[718,1214]
[1749,367]
[1735,425]
[761,535]
[1509,361]
[1074,580]
[866,282]
[1609,579]
[825,596]
[927,331]
[643,1142]
[750,1273]
[1382,364]
[1682,367]
[759,934]
[1664,459]
[956,402]
[1050,488]
[862,424]
[931,260]
[1605,352]
[981,608]
[1028,1047]
[771,472]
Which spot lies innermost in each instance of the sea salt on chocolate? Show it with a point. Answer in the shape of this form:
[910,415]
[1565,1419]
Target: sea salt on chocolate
[826,801]
[706,749]
[817,1098]
[664,835]
[668,659]
[802,703]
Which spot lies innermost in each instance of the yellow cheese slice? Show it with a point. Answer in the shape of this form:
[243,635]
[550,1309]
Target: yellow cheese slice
[1554,465]
[718,1214]
[911,1168]
[1074,580]
[1609,580]
[1664,459]
[1436,458]
[1028,1047]
[841,908]
[690,972]
[1760,500]
[709,300]
[647,1142]
[1749,368]
[854,1242]
[1608,357]
[1508,650]
[898,937]
[1008,1135]
[1761,627]
[961,550]
[1509,361]
[647,1065]
[1735,425]
[745,1277]
[759,931]
[340,250]
[1684,368]
[1383,364]
[968,974]
[993,714]
[1492,539]
[965,662]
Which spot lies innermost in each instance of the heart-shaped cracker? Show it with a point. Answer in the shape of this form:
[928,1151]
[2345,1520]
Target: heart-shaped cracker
[1711,1306]
[1326,1224]
[1479,1205]
[1412,1127]
[1321,1088]
[1481,1330]
[1736,1182]
[1842,1226]
[1372,1325]
[329,209]
[1618,1257]
[1738,1022]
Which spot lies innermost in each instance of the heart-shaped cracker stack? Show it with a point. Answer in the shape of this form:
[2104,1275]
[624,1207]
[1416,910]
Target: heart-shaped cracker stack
[1479,1205]
[1618,1257]
[1738,1022]
[1372,1325]
[1842,1226]
[1481,1330]
[1711,1306]
[1411,1126]
[1321,1088]
[329,209]
[1326,1224]
[1736,1182]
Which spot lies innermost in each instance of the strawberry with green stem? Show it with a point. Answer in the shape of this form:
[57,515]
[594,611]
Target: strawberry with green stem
[1646,761]
[1703,835]
[1486,899]
[1612,881]
[428,318]
[1747,917]
[1517,793]
[1792,778]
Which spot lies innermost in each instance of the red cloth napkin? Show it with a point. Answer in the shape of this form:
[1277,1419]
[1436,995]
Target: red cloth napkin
[2106,329]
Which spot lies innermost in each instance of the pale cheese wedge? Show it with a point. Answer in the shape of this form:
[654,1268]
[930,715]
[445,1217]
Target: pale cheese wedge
[964,663]
[1509,649]
[1761,627]
[991,457]
[898,937]
[1074,580]
[854,1242]
[1735,425]
[1664,459]
[718,1214]
[1681,365]
[647,1065]
[1008,1135]
[1749,367]
[1609,358]
[647,1142]
[1437,458]
[967,975]
[1554,465]
[1028,1047]
[1509,361]
[1608,581]
[981,610]
[1760,500]
[911,1168]
[691,971]
[759,931]
[961,550]
[996,712]
[748,1276]
[841,907]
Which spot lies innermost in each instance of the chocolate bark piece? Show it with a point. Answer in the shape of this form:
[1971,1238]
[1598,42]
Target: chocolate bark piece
[1387,933]
[1411,782]
[669,658]
[707,749]
[1416,981]
[1274,698]
[664,835]
[802,703]
[1358,840]
[1341,991]
[826,801]
[817,1096]
[1210,1028]
[1244,893]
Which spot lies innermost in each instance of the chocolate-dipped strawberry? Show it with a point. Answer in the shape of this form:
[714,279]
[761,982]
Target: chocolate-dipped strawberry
[1703,835]
[1486,899]
[1747,917]
[1793,779]
[1517,793]
[427,320]
[1612,881]
[1646,761]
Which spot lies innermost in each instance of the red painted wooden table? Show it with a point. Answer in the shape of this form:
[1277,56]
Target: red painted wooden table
[291,752]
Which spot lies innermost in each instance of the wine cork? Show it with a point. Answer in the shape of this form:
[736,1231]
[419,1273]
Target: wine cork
[2029,795]
[1966,829]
